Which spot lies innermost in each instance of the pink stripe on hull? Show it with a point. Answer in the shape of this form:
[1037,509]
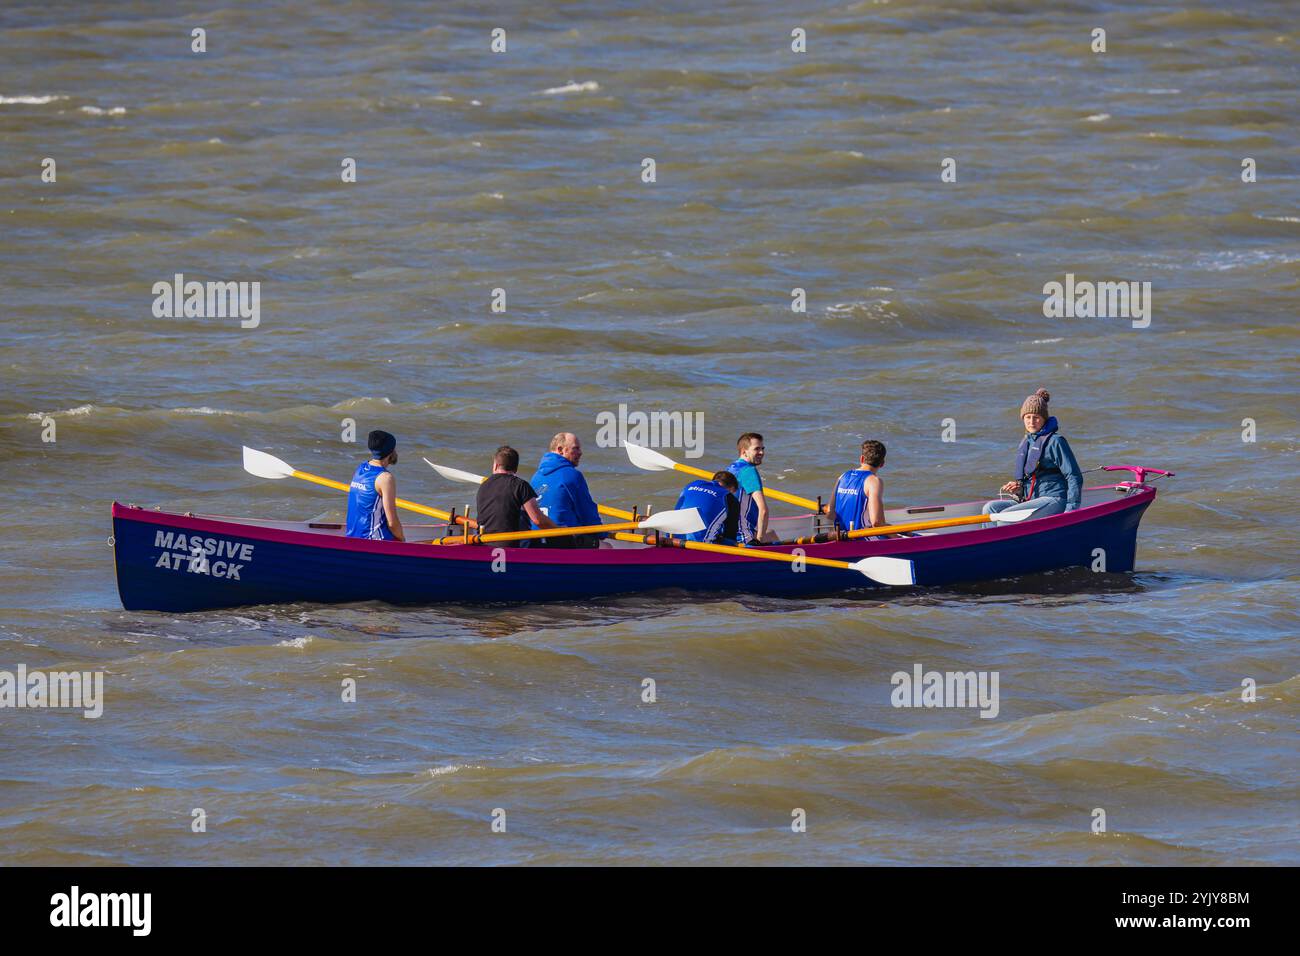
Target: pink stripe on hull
[616,557]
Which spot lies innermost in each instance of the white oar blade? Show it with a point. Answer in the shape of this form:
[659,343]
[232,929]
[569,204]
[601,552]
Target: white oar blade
[686,521]
[455,474]
[265,466]
[1009,516]
[894,571]
[647,459]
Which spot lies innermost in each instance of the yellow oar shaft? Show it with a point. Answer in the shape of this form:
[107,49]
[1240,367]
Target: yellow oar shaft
[446,515]
[919,526]
[608,512]
[541,533]
[401,502]
[317,479]
[740,552]
[688,470]
[907,526]
[432,512]
[768,492]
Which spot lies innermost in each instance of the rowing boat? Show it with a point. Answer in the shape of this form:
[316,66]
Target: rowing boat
[187,562]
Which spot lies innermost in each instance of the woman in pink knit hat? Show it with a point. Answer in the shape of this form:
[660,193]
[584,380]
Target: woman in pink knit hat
[1047,478]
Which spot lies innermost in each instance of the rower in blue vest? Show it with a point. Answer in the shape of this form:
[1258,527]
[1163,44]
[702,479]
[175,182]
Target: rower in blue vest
[1047,478]
[859,495]
[715,499]
[372,496]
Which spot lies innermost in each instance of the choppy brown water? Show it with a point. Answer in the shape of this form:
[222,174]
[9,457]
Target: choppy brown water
[776,170]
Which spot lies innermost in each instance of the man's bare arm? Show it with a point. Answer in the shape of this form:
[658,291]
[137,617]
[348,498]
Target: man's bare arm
[762,531]
[535,514]
[386,485]
[875,501]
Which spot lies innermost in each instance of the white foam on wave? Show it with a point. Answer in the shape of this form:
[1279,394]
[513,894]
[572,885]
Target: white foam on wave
[450,768]
[877,308]
[29,100]
[1278,218]
[588,86]
[1046,341]
[351,402]
[298,642]
[111,111]
[87,409]
[1221,261]
[1159,91]
[79,410]
[1097,118]
[383,272]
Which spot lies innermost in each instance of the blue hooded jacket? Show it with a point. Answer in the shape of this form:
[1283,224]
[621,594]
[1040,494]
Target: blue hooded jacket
[562,492]
[1046,468]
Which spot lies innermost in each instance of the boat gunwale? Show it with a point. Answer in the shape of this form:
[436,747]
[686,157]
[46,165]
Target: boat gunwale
[1138,496]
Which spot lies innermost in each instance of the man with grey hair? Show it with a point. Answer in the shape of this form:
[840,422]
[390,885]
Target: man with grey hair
[562,492]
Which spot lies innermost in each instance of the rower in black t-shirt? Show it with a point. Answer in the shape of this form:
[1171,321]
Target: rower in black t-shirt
[505,501]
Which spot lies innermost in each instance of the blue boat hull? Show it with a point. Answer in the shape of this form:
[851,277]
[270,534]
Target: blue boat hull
[168,562]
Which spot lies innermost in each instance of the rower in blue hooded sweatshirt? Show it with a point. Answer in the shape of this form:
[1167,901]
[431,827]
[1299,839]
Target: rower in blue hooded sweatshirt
[715,499]
[563,495]
[1047,478]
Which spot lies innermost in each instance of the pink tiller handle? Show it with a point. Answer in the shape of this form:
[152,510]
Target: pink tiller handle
[1139,473]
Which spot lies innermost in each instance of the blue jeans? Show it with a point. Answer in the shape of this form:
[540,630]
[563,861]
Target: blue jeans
[1042,507]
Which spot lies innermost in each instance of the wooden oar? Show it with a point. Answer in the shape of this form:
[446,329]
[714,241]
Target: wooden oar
[262,465]
[893,571]
[455,474]
[649,460]
[685,521]
[998,517]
